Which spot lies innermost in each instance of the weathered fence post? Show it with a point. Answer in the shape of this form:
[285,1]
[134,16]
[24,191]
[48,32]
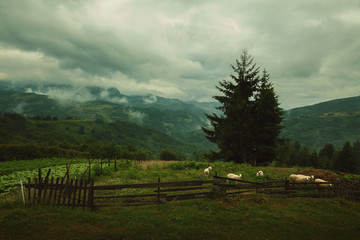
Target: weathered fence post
[80,188]
[61,190]
[84,197]
[91,195]
[35,187]
[74,195]
[56,189]
[51,189]
[89,169]
[158,191]
[70,190]
[286,184]
[29,190]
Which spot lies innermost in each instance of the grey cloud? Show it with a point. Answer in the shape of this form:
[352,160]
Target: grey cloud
[183,48]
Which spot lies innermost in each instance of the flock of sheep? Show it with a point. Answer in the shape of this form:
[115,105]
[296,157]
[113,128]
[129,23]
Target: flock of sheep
[232,175]
[299,178]
[294,178]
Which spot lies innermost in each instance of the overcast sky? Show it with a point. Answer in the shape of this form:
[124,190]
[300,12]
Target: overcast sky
[182,48]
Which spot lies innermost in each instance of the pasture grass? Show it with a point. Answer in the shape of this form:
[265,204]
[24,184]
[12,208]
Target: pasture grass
[247,216]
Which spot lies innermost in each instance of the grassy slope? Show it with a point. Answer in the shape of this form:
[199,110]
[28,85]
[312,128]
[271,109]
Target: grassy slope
[123,133]
[239,217]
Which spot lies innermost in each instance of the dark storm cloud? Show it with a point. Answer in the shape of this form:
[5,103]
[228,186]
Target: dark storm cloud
[183,48]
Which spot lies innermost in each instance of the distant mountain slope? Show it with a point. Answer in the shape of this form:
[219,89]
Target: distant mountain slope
[171,116]
[335,122]
[82,132]
[313,126]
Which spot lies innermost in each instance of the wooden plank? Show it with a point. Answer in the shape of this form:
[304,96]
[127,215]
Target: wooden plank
[236,180]
[158,191]
[80,188]
[89,169]
[275,191]
[51,190]
[92,194]
[152,185]
[70,189]
[184,189]
[39,187]
[74,194]
[133,195]
[29,190]
[237,186]
[239,192]
[56,189]
[152,200]
[48,174]
[84,195]
[45,187]
[61,190]
[187,196]
[65,190]
[35,187]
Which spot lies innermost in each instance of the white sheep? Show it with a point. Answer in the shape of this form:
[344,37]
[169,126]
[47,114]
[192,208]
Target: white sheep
[319,180]
[207,171]
[299,178]
[260,173]
[234,176]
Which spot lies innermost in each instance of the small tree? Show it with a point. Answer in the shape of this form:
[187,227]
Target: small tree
[81,130]
[168,154]
[346,161]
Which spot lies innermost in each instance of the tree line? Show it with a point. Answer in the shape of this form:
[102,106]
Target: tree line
[345,159]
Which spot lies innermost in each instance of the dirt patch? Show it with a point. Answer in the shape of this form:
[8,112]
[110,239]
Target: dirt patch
[144,164]
[321,173]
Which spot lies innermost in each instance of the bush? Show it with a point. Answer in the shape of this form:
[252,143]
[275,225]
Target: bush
[96,169]
[168,154]
[187,165]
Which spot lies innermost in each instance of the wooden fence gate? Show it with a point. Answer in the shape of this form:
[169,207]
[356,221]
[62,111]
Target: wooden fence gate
[60,191]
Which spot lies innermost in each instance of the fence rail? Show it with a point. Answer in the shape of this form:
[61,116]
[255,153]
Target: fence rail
[82,193]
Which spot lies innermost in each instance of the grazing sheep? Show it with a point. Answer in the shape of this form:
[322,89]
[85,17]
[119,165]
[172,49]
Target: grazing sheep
[234,176]
[319,180]
[260,173]
[207,171]
[299,178]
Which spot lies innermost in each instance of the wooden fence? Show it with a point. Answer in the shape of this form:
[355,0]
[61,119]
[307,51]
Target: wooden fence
[60,191]
[81,193]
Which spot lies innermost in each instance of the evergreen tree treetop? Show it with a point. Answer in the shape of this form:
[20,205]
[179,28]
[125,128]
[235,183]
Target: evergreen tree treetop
[249,125]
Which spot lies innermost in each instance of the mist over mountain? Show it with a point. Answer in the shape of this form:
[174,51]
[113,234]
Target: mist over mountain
[335,121]
[171,116]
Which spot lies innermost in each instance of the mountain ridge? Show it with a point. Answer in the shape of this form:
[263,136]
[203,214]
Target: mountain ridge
[334,121]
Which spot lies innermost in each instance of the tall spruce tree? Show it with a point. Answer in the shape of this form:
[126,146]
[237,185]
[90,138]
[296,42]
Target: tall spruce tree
[249,126]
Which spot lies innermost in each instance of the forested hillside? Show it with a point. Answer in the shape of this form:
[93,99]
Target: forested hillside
[92,136]
[334,122]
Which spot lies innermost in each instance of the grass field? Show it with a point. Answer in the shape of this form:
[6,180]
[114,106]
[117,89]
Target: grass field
[234,217]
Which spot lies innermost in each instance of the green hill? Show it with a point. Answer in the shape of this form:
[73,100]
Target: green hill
[80,135]
[335,122]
